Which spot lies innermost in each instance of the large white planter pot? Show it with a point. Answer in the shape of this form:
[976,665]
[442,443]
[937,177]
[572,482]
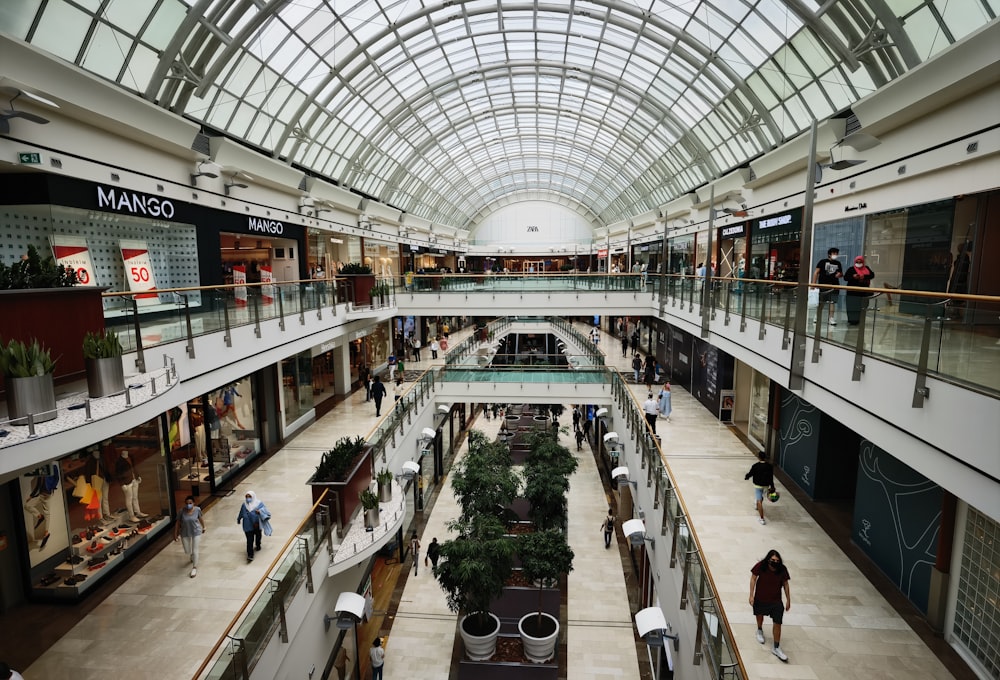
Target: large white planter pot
[480,648]
[32,395]
[538,650]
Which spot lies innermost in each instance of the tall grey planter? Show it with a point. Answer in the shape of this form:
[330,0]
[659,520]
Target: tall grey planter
[104,376]
[35,395]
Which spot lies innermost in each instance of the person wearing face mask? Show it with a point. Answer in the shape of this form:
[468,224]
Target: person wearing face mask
[189,529]
[767,579]
[255,518]
[829,271]
[857,277]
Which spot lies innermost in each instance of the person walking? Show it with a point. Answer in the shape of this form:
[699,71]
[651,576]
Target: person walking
[364,377]
[189,528]
[829,271]
[664,404]
[636,367]
[415,549]
[435,346]
[433,552]
[595,336]
[397,390]
[586,428]
[652,410]
[635,343]
[377,655]
[763,479]
[576,418]
[254,517]
[649,372]
[767,579]
[378,394]
[858,278]
[579,440]
[391,362]
[400,369]
[415,344]
[608,527]
[624,344]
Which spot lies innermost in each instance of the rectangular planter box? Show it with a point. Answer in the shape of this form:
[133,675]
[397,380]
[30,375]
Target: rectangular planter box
[345,493]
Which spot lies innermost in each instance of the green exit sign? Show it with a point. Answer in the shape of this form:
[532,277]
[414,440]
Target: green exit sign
[29,158]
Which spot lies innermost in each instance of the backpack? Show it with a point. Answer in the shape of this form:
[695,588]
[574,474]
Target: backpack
[609,525]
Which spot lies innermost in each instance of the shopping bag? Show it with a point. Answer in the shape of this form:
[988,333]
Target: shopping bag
[814,297]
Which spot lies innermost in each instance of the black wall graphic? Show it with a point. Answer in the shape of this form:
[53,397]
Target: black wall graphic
[897,516]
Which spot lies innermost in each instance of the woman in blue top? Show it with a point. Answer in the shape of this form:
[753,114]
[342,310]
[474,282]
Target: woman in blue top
[189,528]
[255,519]
[665,401]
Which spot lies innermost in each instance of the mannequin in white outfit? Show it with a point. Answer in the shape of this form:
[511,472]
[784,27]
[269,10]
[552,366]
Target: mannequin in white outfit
[130,486]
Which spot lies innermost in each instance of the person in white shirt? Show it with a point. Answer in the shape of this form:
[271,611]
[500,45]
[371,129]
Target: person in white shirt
[652,410]
[377,655]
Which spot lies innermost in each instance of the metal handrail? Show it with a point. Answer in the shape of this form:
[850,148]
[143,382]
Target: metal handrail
[256,592]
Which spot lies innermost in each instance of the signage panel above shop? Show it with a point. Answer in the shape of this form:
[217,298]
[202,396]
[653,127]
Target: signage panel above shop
[734,231]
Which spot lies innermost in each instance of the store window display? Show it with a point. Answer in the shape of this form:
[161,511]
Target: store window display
[213,436]
[87,511]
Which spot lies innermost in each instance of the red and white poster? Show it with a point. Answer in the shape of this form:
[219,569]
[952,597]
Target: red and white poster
[240,281]
[139,271]
[72,251]
[602,253]
[267,290]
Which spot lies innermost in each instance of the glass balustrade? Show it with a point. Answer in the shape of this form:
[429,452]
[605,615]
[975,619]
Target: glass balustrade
[954,337]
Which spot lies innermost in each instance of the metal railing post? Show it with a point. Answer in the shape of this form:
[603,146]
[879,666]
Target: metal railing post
[304,548]
[302,305]
[920,389]
[743,310]
[256,314]
[228,337]
[281,308]
[763,315]
[279,607]
[140,356]
[859,346]
[817,350]
[786,339]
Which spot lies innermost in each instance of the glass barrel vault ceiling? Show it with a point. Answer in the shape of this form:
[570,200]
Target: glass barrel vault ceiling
[441,109]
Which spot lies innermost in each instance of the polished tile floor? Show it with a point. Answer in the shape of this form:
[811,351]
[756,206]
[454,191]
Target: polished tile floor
[161,624]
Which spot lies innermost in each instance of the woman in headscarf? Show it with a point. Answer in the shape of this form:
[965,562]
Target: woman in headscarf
[857,277]
[255,518]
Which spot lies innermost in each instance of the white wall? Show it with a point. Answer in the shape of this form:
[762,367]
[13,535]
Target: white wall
[514,225]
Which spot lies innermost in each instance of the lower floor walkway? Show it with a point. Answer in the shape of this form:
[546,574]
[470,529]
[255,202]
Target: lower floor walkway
[160,623]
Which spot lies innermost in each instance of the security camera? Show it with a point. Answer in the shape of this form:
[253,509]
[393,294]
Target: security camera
[611,438]
[601,412]
[350,609]
[427,434]
[650,624]
[410,469]
[635,530]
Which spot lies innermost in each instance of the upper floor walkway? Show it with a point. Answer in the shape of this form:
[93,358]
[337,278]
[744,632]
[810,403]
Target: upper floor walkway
[915,369]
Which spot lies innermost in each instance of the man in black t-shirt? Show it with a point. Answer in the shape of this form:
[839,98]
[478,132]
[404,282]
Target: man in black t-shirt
[829,271]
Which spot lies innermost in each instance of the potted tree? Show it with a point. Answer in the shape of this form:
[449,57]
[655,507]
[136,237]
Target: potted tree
[545,556]
[102,355]
[384,479]
[362,282]
[477,563]
[472,571]
[345,470]
[27,369]
[369,502]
